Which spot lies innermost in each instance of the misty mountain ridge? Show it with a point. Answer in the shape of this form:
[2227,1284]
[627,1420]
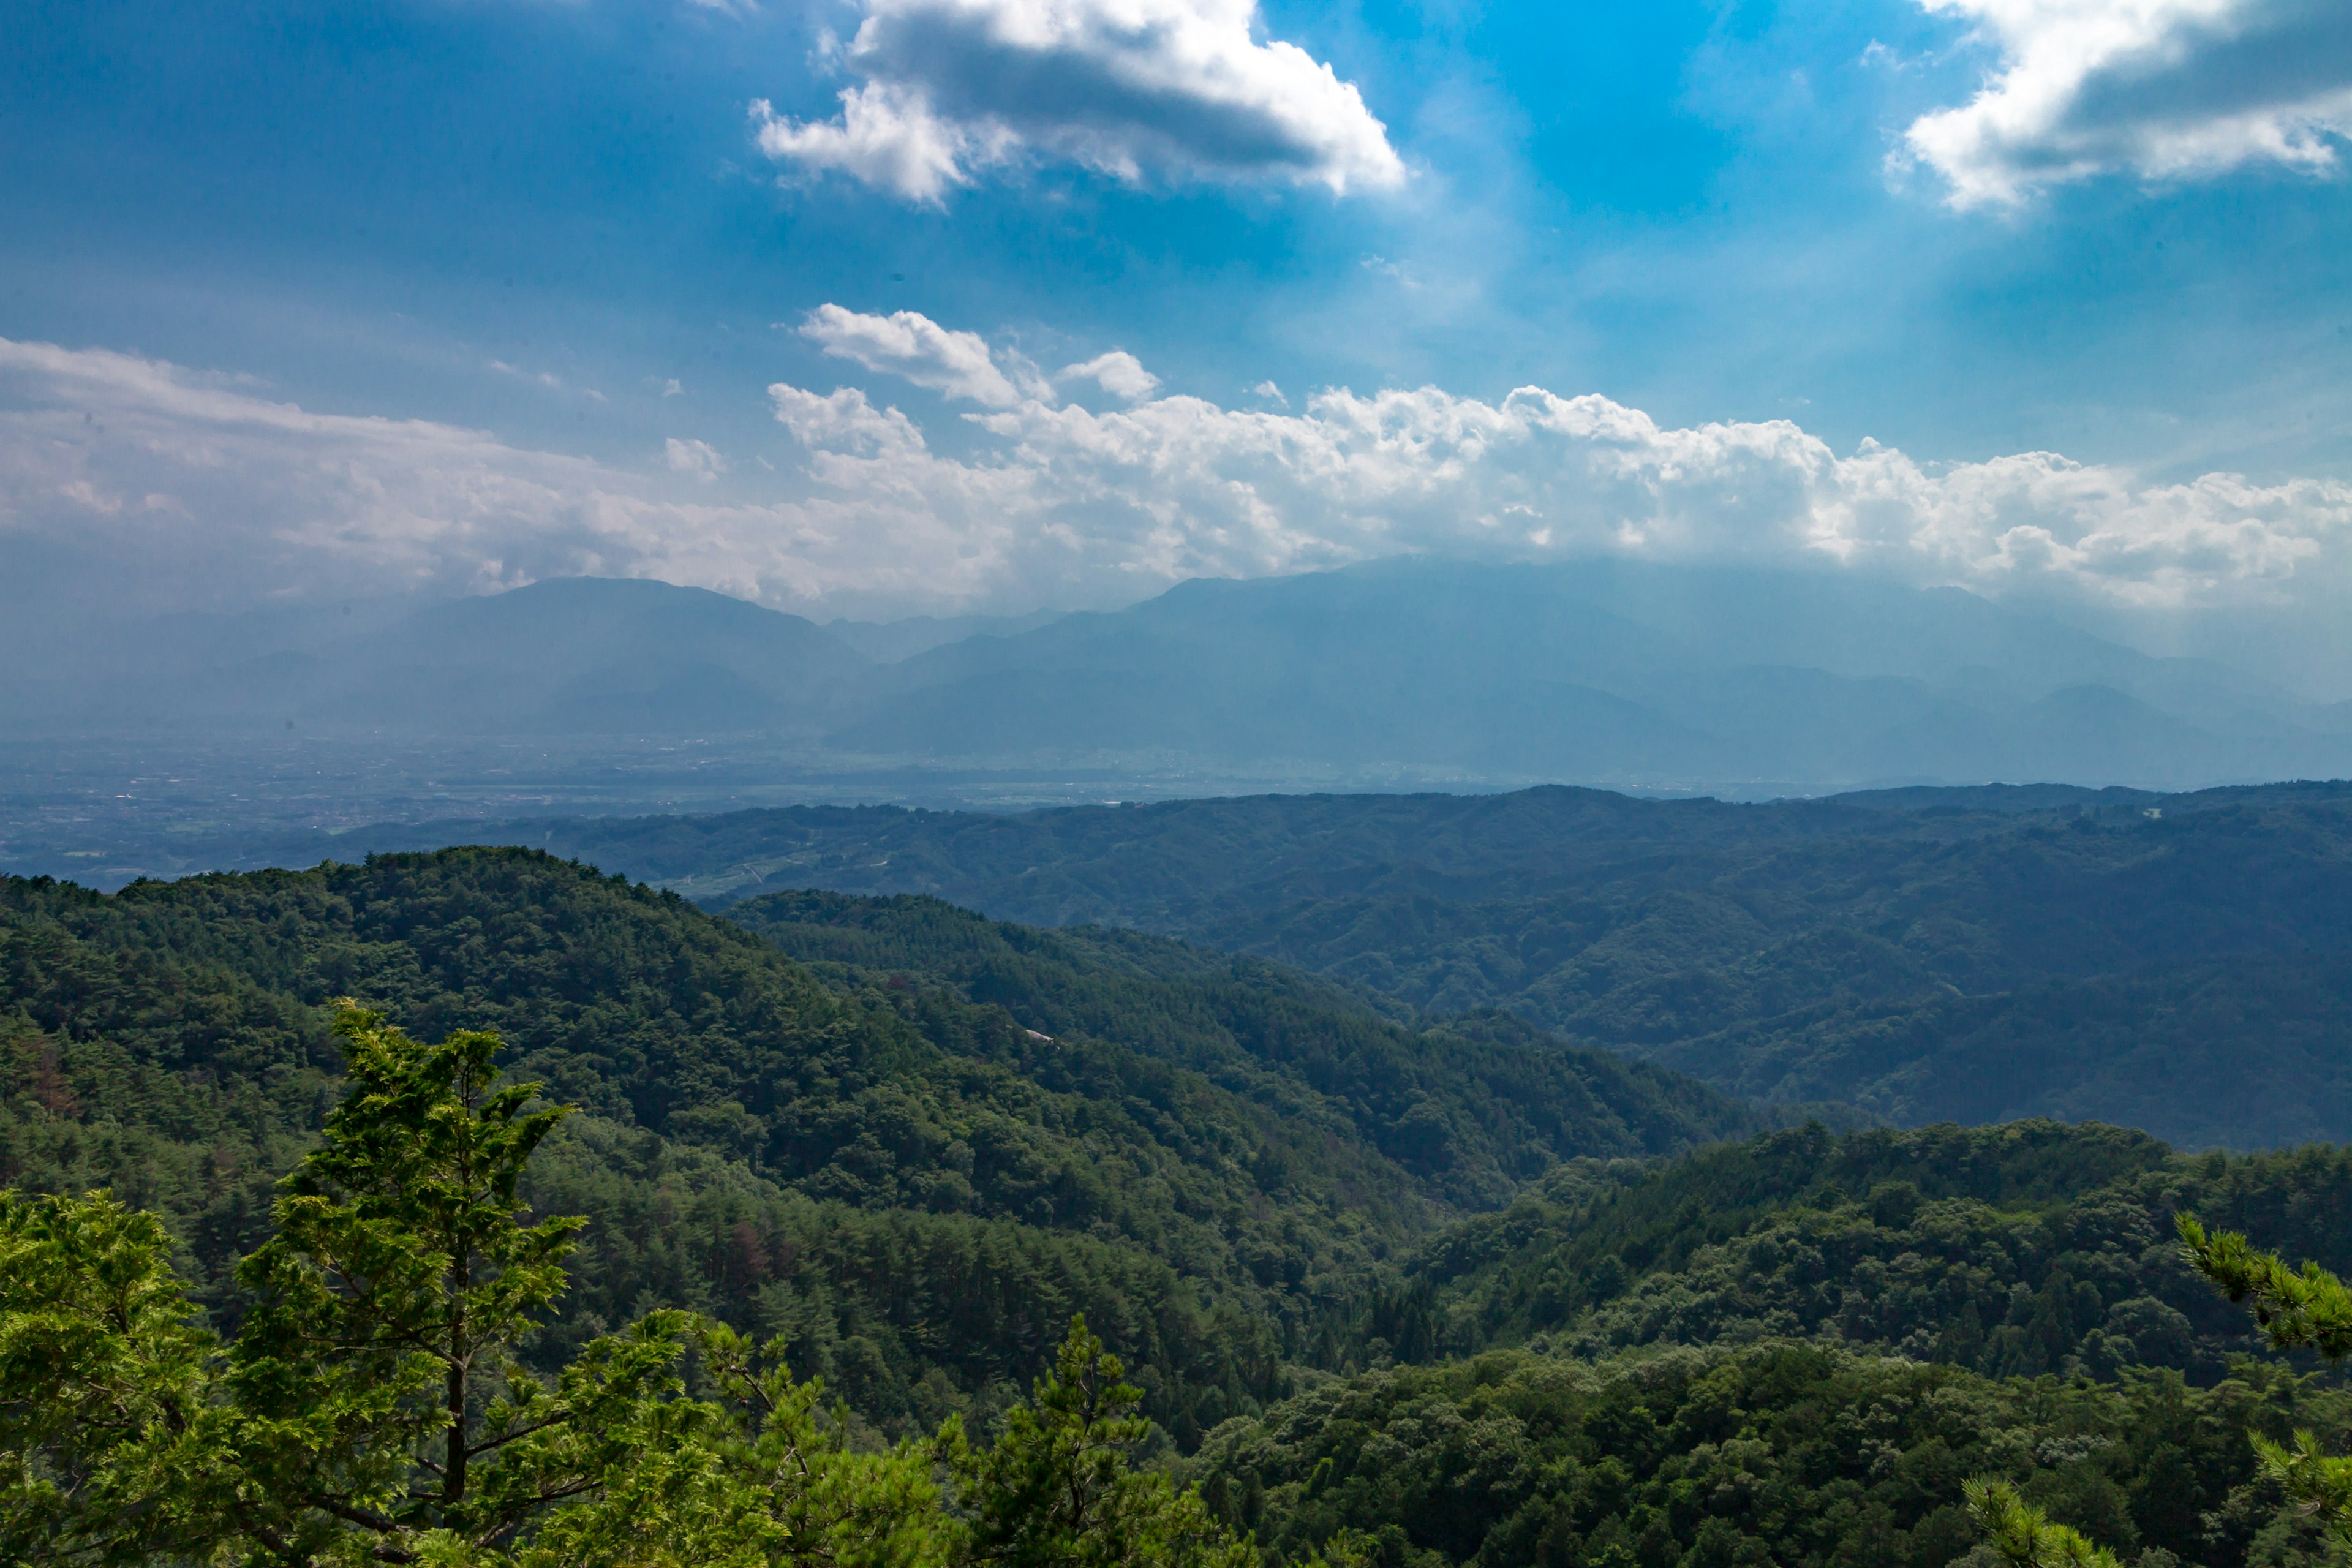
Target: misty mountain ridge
[1605,672]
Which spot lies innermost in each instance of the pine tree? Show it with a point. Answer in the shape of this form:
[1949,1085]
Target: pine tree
[375,1406]
[2305,1309]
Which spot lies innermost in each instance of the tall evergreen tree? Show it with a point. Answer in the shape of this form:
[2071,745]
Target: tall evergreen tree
[374,1406]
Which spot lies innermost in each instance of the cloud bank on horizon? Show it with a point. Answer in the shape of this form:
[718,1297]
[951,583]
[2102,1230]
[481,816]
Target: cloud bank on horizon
[1180,90]
[2162,89]
[135,467]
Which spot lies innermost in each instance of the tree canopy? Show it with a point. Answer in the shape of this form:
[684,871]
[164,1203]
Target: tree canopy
[373,1406]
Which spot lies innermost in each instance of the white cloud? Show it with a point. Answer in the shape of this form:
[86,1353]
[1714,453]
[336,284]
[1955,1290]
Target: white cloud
[2164,89]
[128,484]
[843,422]
[886,136]
[1119,372]
[1177,88]
[912,345]
[698,459]
[155,485]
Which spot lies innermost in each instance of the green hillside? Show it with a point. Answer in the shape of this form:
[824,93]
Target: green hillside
[1794,1349]
[1472,1108]
[2020,1250]
[1972,955]
[1423,1296]
[1772,1454]
[917,1187]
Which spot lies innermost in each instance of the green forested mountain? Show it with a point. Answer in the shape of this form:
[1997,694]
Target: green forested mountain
[1792,1350]
[1424,1296]
[2020,1250]
[1472,1108]
[1927,955]
[916,1186]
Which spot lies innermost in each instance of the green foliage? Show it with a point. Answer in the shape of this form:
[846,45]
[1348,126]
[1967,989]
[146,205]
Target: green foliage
[1473,1108]
[2021,1535]
[2022,1249]
[1078,1176]
[2305,1308]
[896,1170]
[373,1407]
[1778,1453]
[104,1387]
[1056,1489]
[896,1149]
[394,1299]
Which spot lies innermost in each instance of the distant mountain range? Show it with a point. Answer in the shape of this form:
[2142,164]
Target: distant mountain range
[1398,672]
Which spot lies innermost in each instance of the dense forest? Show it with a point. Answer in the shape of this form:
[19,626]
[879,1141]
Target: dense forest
[1922,956]
[1395,1287]
[917,1187]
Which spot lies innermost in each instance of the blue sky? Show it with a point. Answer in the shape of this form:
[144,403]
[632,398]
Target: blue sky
[555,226]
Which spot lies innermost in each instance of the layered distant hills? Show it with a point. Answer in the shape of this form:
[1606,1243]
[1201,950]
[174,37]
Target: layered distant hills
[1737,682]
[2179,962]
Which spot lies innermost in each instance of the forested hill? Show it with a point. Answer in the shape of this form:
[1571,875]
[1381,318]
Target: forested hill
[1477,1296]
[916,1186]
[1793,1349]
[1472,1106]
[1973,954]
[2015,1251]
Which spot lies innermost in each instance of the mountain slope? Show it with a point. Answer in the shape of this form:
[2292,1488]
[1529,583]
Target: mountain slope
[1472,1108]
[1797,1348]
[1973,954]
[915,1188]
[1606,673]
[574,656]
[1748,683]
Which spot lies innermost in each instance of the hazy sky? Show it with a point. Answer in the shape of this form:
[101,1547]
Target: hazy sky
[926,304]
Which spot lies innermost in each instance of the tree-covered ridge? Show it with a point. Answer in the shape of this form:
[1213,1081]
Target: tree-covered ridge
[1970,954]
[1783,1453]
[1473,1107]
[1803,1349]
[1795,1347]
[916,1187]
[2015,1251]
[1929,955]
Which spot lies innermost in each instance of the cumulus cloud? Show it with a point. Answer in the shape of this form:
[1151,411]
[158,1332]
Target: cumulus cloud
[1180,88]
[2161,89]
[844,421]
[909,345]
[213,490]
[1119,372]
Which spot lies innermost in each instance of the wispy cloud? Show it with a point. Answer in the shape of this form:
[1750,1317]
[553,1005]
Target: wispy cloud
[698,459]
[542,378]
